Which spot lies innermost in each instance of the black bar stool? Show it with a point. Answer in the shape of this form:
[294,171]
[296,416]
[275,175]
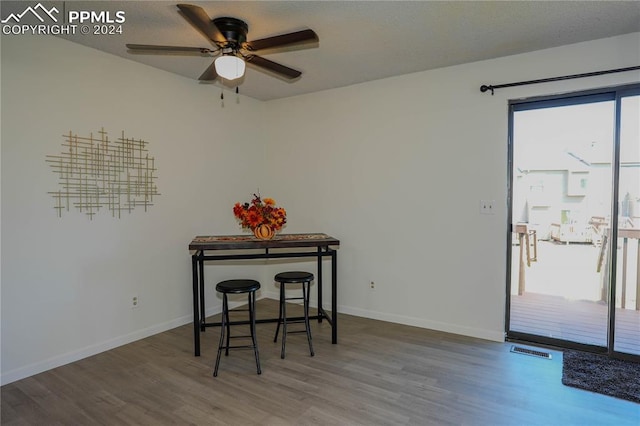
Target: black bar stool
[237,287]
[294,277]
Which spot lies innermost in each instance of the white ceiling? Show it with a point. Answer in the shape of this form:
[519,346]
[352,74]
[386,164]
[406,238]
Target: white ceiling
[364,40]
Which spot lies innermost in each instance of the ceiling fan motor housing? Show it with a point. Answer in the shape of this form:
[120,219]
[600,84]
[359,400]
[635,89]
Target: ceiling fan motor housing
[234,30]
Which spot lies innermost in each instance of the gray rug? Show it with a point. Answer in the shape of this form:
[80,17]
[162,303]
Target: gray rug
[598,373]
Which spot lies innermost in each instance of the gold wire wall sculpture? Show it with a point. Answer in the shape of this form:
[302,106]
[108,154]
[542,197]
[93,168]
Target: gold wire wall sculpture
[95,173]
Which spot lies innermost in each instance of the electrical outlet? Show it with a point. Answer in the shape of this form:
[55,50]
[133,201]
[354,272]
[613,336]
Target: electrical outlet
[487,206]
[134,302]
[372,284]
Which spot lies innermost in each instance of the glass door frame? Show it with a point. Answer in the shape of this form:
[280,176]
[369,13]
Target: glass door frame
[614,94]
[621,92]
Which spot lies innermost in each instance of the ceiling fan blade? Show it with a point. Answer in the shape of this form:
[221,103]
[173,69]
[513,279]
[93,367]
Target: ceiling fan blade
[275,67]
[169,48]
[210,73]
[198,17]
[281,40]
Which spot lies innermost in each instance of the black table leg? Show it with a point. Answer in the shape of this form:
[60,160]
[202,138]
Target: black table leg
[319,284]
[334,297]
[196,316]
[203,315]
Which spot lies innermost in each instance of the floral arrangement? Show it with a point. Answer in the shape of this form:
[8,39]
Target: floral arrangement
[260,211]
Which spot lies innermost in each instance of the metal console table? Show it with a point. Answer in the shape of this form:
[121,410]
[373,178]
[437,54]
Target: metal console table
[237,247]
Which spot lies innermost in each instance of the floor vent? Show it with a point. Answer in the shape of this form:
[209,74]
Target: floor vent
[532,352]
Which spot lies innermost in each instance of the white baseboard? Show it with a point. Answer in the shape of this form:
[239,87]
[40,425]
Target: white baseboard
[60,360]
[422,323]
[401,319]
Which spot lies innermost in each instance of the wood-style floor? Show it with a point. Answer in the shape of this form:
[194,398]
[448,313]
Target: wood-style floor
[378,374]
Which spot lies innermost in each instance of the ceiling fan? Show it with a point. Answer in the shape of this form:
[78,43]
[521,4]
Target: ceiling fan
[229,35]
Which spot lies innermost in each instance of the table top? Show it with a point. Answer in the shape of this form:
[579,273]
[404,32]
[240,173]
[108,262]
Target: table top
[236,242]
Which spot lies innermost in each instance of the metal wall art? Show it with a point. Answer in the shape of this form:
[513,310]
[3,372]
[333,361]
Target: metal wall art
[96,173]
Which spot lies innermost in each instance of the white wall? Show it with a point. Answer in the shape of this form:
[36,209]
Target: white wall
[67,282]
[393,168]
[396,169]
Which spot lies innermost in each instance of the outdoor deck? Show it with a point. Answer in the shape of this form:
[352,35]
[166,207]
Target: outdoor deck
[562,297]
[574,320]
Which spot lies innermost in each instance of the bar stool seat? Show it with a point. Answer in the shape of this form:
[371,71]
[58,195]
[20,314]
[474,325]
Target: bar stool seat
[294,277]
[237,286]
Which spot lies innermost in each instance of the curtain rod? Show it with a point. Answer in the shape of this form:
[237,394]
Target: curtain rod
[492,87]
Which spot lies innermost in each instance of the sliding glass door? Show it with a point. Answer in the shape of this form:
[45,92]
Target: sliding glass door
[574,206]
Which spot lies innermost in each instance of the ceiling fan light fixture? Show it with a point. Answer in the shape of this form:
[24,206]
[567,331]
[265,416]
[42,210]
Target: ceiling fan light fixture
[229,67]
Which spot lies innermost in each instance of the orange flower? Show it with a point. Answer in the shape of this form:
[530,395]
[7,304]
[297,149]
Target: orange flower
[269,202]
[237,210]
[254,218]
